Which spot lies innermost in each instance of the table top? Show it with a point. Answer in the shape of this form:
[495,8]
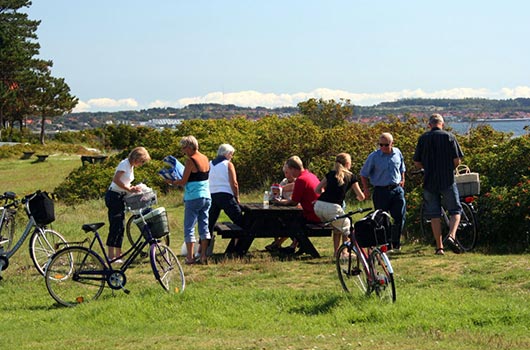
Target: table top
[272,207]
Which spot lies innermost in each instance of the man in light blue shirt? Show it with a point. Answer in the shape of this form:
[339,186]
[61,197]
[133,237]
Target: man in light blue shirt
[385,168]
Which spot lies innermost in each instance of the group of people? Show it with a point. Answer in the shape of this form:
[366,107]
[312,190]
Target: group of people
[211,186]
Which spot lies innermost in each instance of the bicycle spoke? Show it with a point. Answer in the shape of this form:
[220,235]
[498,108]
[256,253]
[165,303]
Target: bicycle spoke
[352,274]
[43,244]
[384,285]
[167,268]
[75,275]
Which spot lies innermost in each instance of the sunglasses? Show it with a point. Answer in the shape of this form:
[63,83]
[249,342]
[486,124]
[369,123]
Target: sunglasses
[384,144]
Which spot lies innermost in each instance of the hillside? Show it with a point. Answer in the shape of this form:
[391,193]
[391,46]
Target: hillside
[464,109]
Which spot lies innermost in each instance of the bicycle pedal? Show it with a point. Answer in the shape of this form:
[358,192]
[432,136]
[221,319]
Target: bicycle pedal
[355,272]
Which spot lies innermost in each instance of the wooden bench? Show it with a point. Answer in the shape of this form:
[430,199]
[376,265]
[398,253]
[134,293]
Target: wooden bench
[240,240]
[27,155]
[41,157]
[318,230]
[92,159]
[229,230]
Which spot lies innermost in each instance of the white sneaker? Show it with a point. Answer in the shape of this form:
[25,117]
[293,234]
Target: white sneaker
[118,261]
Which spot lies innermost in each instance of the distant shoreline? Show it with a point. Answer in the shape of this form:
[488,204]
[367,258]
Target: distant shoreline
[500,120]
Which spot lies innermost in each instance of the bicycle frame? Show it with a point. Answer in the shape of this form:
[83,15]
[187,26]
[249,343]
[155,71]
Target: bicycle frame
[114,278]
[31,223]
[43,242]
[367,260]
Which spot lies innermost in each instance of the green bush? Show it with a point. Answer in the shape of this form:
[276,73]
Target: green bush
[262,147]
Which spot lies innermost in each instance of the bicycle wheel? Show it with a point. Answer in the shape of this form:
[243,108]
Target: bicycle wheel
[75,275]
[351,270]
[467,233]
[426,228]
[166,268]
[7,231]
[43,244]
[384,285]
[132,231]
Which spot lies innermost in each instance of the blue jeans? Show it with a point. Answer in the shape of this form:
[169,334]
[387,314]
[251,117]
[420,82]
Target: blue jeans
[196,212]
[433,202]
[392,201]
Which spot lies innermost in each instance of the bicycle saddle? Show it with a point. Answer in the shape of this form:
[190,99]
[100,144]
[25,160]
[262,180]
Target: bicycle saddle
[92,227]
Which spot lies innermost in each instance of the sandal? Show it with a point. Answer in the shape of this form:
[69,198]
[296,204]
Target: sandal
[455,247]
[190,262]
[439,251]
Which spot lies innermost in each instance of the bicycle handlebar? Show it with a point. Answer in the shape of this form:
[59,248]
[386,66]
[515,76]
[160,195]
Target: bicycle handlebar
[419,171]
[348,214]
[9,196]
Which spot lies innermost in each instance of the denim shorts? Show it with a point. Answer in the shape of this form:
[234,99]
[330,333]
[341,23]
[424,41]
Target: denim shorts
[433,202]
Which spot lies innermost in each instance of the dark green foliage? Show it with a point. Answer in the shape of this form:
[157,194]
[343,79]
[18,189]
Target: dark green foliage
[263,145]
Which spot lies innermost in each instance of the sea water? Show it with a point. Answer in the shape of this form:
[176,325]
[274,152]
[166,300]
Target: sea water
[514,126]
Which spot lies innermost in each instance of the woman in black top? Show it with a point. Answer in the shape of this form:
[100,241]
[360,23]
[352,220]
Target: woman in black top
[332,190]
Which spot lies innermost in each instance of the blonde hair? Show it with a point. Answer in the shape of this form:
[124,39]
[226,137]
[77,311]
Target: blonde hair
[139,154]
[189,141]
[341,172]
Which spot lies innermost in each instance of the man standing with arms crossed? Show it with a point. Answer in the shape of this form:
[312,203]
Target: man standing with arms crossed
[439,153]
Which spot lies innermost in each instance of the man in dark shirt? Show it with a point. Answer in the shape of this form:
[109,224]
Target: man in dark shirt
[439,153]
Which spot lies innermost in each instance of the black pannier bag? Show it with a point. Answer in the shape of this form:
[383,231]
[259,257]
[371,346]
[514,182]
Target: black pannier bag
[373,230]
[42,208]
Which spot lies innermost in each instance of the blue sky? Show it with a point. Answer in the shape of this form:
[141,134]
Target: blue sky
[131,55]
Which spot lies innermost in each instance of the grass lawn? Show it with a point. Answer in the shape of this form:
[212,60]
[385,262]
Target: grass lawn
[468,301]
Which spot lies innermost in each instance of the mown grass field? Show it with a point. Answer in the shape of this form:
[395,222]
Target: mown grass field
[469,301]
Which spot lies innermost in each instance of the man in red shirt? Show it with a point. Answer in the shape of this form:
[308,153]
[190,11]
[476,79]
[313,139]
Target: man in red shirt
[303,192]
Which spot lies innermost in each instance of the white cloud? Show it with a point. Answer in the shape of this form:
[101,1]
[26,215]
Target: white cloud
[106,104]
[255,98]
[251,98]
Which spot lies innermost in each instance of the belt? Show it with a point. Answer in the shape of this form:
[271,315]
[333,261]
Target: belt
[120,192]
[389,187]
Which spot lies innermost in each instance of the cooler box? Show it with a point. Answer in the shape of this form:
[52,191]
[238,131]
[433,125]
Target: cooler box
[157,220]
[468,183]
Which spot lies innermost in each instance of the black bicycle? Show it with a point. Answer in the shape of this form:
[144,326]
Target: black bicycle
[78,274]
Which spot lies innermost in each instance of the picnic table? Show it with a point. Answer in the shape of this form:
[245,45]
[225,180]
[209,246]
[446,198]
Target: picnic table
[41,157]
[93,159]
[27,154]
[274,221]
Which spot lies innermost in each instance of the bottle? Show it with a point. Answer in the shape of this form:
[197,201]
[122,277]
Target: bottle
[266,200]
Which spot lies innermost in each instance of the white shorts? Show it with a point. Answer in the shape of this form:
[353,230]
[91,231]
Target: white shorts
[327,211]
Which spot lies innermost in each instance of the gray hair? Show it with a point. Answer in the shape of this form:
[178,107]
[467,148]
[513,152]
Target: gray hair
[225,149]
[436,119]
[387,136]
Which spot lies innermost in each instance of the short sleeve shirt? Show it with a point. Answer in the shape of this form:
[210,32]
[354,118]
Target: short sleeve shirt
[384,169]
[127,177]
[436,150]
[304,193]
